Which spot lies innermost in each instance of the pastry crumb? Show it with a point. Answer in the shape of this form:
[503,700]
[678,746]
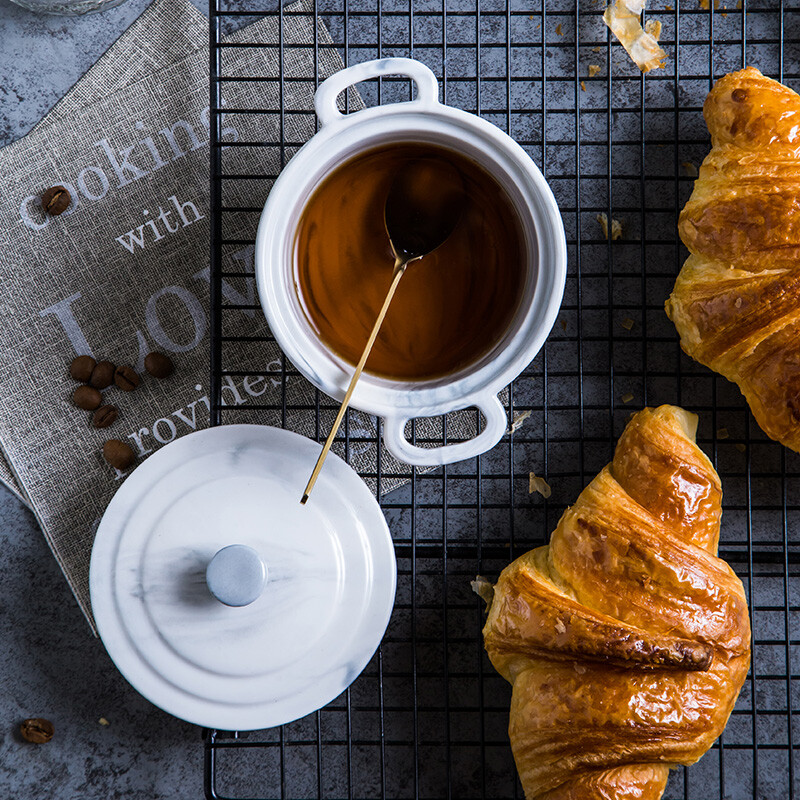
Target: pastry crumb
[653,27]
[594,69]
[519,420]
[560,626]
[740,447]
[722,433]
[616,226]
[104,722]
[623,17]
[484,589]
[627,397]
[583,86]
[563,324]
[540,485]
[558,29]
[628,324]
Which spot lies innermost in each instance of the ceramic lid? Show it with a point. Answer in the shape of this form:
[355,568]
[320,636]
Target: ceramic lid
[301,594]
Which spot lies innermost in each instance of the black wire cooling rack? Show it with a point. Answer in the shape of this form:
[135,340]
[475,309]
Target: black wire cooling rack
[428,717]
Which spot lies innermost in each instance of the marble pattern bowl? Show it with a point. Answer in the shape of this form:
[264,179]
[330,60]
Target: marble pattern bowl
[424,120]
[184,635]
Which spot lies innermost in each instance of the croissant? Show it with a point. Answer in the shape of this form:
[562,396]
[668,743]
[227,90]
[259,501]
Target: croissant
[736,302]
[626,640]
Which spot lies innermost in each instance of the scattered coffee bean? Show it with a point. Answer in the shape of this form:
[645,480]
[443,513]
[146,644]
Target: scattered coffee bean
[56,200]
[126,378]
[87,398]
[102,375]
[159,365]
[118,454]
[81,368]
[105,416]
[37,730]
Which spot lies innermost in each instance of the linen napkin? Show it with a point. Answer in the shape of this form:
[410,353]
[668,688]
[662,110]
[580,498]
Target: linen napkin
[140,49]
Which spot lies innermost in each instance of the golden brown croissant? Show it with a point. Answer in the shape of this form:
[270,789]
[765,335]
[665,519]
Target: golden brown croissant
[736,303]
[626,639]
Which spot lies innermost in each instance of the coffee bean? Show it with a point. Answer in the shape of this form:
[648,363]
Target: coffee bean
[37,731]
[159,365]
[118,454]
[102,375]
[56,200]
[104,416]
[126,378]
[81,368]
[87,398]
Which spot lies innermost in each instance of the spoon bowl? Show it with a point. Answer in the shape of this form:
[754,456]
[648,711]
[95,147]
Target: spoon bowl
[423,207]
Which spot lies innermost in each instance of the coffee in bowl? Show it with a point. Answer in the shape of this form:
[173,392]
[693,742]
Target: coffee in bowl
[451,308]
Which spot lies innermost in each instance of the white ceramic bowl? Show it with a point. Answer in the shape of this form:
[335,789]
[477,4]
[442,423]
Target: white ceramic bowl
[305,633]
[426,120]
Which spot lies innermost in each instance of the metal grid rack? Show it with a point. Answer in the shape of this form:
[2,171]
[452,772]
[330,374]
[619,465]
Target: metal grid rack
[428,716]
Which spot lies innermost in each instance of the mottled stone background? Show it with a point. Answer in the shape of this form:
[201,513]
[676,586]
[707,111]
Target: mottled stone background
[631,145]
[50,664]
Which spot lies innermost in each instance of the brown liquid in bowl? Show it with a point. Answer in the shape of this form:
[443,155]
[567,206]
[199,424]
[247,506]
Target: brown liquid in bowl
[451,308]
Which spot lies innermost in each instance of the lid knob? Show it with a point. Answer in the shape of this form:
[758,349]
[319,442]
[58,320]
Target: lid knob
[236,575]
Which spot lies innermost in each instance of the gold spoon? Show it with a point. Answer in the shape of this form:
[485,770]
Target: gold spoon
[422,209]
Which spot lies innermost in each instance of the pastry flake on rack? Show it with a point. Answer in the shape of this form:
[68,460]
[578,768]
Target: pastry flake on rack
[736,302]
[626,640]
[623,17]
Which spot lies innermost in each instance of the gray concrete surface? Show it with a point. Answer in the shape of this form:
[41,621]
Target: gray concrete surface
[50,664]
[42,56]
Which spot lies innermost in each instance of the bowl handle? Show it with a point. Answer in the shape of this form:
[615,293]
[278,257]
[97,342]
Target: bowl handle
[397,444]
[329,90]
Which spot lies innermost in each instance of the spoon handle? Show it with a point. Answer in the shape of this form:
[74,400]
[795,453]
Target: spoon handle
[399,270]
